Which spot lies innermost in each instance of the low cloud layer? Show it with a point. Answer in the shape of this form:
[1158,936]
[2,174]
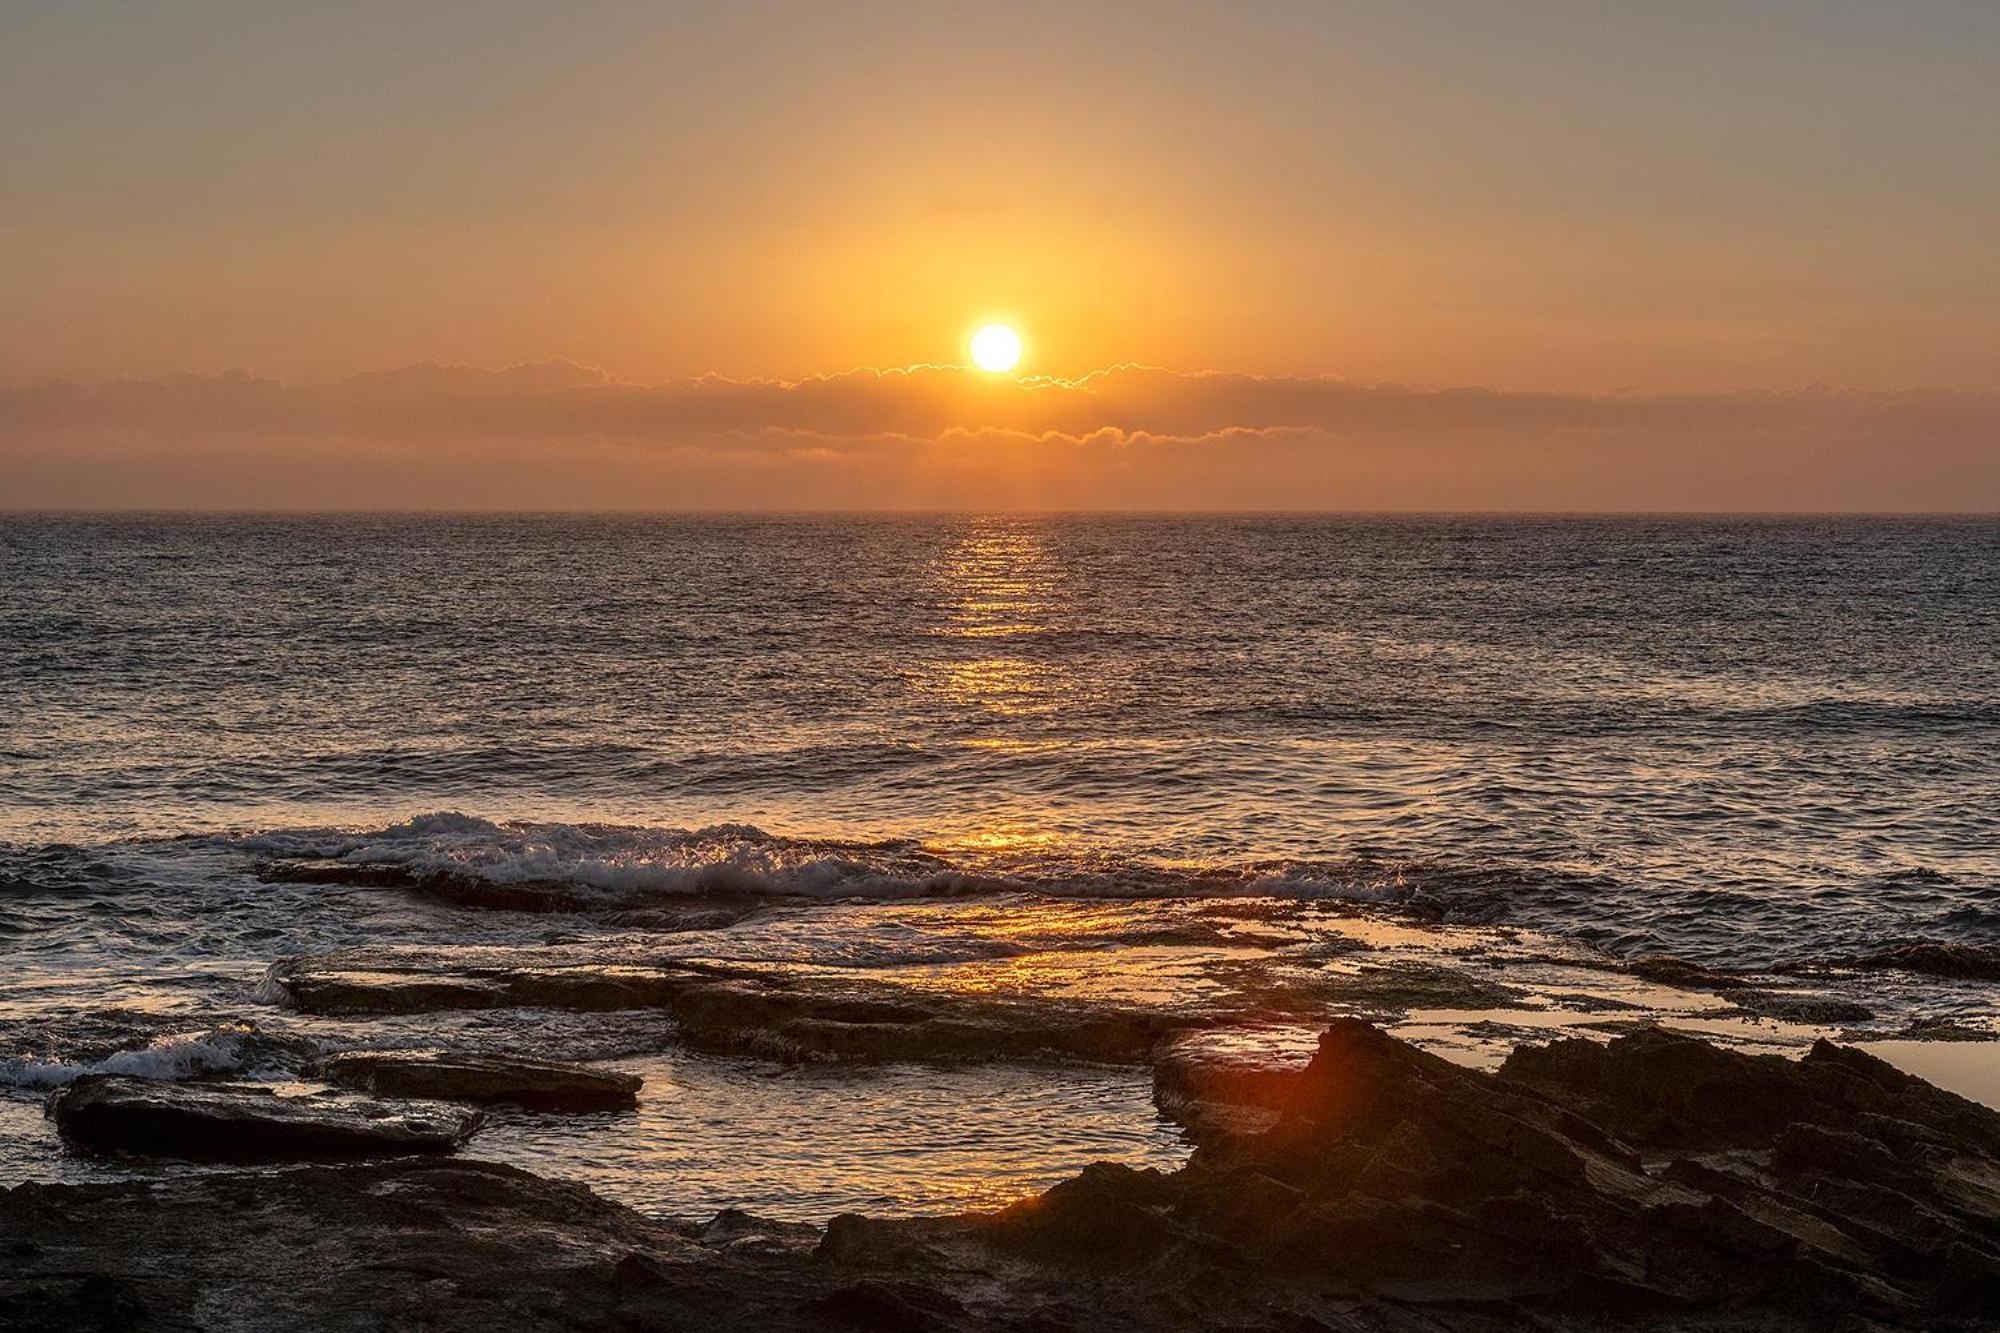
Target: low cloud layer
[560,436]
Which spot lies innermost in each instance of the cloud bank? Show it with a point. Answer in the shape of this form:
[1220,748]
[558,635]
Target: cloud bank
[556,435]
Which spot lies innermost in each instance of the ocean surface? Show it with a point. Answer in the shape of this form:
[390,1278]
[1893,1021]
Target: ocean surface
[1251,770]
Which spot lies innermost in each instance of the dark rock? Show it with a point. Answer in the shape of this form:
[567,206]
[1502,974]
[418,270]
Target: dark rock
[548,1085]
[642,1272]
[734,1224]
[1219,1092]
[459,889]
[1934,1029]
[346,984]
[738,1010]
[1667,1090]
[665,911]
[892,1307]
[778,1019]
[1109,1213]
[1576,1182]
[1659,1087]
[444,1245]
[1962,962]
[1818,1009]
[340,990]
[1671,971]
[211,1120]
[89,1302]
[854,1241]
[1656,1182]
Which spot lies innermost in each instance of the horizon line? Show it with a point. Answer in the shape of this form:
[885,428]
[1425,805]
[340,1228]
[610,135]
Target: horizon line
[8,512]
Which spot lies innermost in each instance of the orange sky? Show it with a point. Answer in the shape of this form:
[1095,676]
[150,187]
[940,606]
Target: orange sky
[1567,198]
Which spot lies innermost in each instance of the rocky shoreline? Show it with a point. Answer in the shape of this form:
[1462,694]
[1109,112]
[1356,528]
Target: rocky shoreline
[1655,1182]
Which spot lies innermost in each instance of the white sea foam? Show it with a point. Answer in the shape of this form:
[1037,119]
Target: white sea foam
[621,861]
[614,859]
[182,1055]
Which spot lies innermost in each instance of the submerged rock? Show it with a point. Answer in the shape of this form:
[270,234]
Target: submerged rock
[1792,1008]
[1960,962]
[1220,1092]
[777,1018]
[741,1009]
[1671,971]
[546,1085]
[345,984]
[219,1120]
[463,890]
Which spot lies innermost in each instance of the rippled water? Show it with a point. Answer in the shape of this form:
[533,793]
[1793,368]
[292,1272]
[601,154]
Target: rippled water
[1015,751]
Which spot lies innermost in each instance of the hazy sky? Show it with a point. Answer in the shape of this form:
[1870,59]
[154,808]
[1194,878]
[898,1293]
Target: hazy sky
[1571,198]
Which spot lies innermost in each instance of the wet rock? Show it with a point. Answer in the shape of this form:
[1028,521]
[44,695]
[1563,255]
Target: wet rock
[1109,1213]
[738,1010]
[344,985]
[1207,1091]
[213,1120]
[315,989]
[546,1085]
[1668,1090]
[1961,962]
[776,1020]
[1934,1029]
[737,1229]
[596,989]
[891,1307]
[1581,1178]
[1792,1008]
[1653,1182]
[90,1302]
[1671,971]
[449,886]
[439,1244]
[670,912]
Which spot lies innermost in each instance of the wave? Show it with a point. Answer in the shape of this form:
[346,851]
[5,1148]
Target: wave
[671,879]
[590,865]
[230,1049]
[611,862]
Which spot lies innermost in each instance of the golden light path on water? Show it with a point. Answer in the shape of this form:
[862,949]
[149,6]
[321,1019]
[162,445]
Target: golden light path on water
[1008,770]
[996,592]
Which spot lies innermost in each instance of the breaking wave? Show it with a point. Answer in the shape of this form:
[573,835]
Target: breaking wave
[588,867]
[612,863]
[231,1049]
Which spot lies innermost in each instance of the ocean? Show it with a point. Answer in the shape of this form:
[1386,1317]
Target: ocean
[1464,775]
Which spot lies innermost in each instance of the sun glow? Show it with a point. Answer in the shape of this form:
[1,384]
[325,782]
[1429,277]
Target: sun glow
[996,349]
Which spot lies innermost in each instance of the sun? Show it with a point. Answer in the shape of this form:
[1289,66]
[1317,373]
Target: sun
[996,349]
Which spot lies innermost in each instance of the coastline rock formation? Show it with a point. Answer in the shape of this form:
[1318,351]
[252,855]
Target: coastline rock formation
[739,1010]
[206,1120]
[1653,1174]
[542,1085]
[1657,1182]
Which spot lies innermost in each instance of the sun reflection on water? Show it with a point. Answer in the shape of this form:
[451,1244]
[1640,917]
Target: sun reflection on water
[998,590]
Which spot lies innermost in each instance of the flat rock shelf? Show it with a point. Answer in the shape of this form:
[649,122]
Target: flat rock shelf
[205,1120]
[543,1085]
[1657,1182]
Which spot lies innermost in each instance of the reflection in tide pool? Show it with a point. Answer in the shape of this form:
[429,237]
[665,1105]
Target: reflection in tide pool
[805,1143]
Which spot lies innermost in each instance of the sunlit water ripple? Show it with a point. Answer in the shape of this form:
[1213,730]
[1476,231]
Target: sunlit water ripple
[1750,743]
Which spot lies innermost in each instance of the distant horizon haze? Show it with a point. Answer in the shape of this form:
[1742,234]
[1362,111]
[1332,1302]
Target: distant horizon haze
[557,436]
